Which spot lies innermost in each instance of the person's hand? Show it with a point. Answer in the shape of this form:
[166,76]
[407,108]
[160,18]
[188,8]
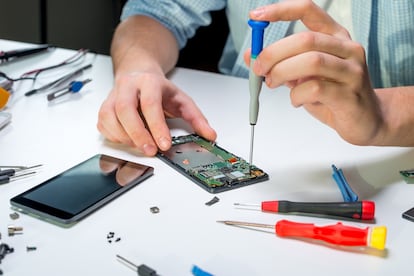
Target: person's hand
[325,70]
[135,111]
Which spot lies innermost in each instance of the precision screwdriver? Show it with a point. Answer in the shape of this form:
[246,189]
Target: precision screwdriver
[363,210]
[142,270]
[5,178]
[337,234]
[255,81]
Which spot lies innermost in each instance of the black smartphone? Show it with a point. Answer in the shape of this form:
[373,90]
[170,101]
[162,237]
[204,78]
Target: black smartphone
[210,166]
[409,214]
[72,195]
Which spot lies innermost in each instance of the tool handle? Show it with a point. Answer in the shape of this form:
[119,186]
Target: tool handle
[8,172]
[4,179]
[337,234]
[257,35]
[22,52]
[364,210]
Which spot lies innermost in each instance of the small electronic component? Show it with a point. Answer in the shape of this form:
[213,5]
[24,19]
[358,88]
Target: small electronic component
[408,175]
[155,210]
[13,230]
[210,166]
[212,201]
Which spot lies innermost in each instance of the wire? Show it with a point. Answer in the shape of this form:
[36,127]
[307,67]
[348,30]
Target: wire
[77,56]
[33,74]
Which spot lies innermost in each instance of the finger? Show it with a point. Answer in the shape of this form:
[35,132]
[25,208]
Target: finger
[109,125]
[304,42]
[328,101]
[312,16]
[152,110]
[339,108]
[126,107]
[312,65]
[179,104]
[247,57]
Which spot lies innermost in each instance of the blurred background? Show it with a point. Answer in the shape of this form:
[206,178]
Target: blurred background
[90,24]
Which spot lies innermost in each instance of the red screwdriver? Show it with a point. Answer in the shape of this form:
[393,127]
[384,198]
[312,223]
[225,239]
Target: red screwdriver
[337,234]
[364,210]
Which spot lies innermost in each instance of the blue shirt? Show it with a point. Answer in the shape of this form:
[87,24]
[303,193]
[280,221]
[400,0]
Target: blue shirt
[384,27]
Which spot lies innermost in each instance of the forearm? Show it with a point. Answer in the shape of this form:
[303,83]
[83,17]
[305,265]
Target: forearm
[397,107]
[141,43]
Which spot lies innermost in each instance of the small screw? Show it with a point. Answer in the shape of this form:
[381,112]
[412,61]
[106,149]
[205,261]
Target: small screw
[31,248]
[155,210]
[12,230]
[14,215]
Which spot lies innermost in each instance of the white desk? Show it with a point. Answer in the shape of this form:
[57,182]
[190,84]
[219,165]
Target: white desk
[293,148]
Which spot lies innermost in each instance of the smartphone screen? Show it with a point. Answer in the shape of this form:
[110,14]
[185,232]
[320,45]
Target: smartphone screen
[75,193]
[210,166]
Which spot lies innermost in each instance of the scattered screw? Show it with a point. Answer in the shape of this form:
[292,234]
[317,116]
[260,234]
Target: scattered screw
[4,250]
[155,210]
[111,236]
[14,215]
[12,230]
[31,248]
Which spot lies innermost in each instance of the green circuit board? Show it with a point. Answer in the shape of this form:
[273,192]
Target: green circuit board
[210,166]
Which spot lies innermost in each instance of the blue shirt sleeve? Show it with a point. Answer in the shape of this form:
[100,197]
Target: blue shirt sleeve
[181,17]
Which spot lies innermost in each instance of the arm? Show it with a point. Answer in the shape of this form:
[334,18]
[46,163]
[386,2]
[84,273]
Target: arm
[138,45]
[398,113]
[327,74]
[143,50]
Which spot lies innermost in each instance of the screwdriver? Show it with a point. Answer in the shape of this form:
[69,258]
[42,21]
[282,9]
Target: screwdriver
[255,81]
[337,234]
[74,87]
[15,171]
[142,270]
[4,179]
[364,210]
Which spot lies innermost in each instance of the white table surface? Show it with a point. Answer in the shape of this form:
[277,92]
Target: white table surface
[296,150]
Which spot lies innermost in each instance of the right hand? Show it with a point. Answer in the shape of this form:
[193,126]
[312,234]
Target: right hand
[135,112]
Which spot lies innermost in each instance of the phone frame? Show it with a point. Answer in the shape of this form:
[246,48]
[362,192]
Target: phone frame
[213,149]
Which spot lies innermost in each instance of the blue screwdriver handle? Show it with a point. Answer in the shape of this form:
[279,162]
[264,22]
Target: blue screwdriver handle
[257,35]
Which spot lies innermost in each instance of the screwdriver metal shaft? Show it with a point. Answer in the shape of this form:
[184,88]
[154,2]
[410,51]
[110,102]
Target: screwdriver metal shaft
[142,270]
[251,145]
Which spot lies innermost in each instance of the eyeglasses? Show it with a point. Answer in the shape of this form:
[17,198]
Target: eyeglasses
[6,87]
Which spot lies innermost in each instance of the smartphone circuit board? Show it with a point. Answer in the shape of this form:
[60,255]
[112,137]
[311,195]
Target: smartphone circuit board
[210,166]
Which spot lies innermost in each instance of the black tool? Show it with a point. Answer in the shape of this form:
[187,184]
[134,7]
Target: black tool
[13,54]
[363,210]
[142,270]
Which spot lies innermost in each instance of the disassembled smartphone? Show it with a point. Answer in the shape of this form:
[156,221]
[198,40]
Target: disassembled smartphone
[72,195]
[210,166]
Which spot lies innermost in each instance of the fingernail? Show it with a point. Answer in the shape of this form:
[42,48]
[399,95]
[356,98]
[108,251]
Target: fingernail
[164,143]
[149,149]
[258,12]
[268,81]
